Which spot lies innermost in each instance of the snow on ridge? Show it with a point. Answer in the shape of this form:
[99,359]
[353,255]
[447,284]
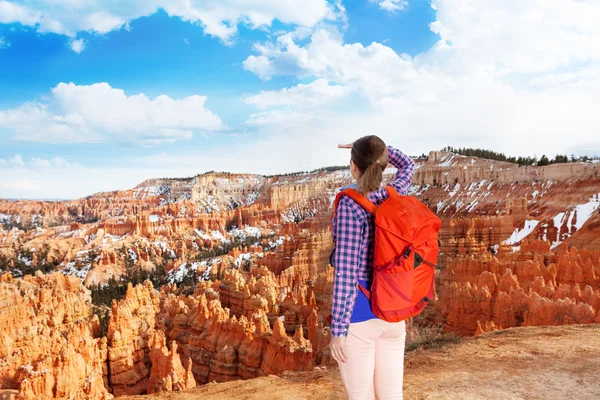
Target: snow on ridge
[455,190]
[581,212]
[243,234]
[132,255]
[277,242]
[236,182]
[251,198]
[115,238]
[70,269]
[520,234]
[440,206]
[246,257]
[149,191]
[558,220]
[340,174]
[176,275]
[472,206]
[585,211]
[417,190]
[447,160]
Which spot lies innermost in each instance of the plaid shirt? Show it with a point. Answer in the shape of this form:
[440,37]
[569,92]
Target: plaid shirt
[353,232]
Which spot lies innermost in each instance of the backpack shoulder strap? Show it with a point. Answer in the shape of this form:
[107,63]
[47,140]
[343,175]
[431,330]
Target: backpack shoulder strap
[359,198]
[392,191]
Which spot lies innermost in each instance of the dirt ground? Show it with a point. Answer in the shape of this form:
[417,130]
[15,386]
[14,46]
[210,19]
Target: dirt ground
[519,363]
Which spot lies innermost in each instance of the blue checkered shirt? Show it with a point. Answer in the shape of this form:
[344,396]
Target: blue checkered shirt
[353,231]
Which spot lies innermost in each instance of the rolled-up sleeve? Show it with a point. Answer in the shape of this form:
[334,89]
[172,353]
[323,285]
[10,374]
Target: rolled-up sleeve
[405,166]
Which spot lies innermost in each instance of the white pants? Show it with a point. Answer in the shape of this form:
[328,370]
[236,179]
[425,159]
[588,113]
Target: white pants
[375,365]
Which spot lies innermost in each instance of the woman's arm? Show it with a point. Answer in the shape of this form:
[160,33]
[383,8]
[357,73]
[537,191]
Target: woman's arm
[349,236]
[406,168]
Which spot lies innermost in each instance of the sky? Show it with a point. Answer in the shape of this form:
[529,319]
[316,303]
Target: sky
[99,96]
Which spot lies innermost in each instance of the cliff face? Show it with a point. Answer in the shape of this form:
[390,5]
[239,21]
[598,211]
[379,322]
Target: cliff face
[219,192]
[208,342]
[130,330]
[531,287]
[448,168]
[257,249]
[50,345]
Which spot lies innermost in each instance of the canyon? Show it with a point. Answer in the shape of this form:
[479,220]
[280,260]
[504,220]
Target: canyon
[245,281]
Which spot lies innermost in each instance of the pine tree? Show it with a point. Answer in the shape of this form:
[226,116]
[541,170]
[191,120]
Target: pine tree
[543,161]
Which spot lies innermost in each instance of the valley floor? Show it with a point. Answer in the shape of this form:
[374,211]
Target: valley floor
[557,362]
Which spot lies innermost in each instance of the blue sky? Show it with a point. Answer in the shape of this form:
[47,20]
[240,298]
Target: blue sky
[100,97]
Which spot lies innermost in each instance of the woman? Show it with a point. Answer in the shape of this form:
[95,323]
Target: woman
[369,350]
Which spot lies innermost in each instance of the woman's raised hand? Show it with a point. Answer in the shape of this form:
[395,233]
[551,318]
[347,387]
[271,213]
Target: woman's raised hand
[345,146]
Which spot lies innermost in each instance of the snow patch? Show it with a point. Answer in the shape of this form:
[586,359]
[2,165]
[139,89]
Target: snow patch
[519,235]
[70,269]
[440,205]
[243,234]
[177,275]
[132,255]
[581,214]
[585,211]
[455,190]
[447,161]
[251,198]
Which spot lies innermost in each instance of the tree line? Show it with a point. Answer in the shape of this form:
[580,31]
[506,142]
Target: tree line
[492,155]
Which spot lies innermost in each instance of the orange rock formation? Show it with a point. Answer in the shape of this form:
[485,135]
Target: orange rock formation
[50,345]
[522,289]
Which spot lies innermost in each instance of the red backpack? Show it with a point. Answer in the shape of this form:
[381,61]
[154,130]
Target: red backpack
[406,250]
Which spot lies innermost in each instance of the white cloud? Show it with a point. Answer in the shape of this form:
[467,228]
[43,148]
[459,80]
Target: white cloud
[16,160]
[315,93]
[280,119]
[42,178]
[186,41]
[77,45]
[98,112]
[10,12]
[391,5]
[4,44]
[532,36]
[271,154]
[39,163]
[53,163]
[218,18]
[520,77]
[52,178]
[376,70]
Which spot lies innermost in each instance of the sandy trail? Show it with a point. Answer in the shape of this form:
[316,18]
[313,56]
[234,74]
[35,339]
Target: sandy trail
[519,363]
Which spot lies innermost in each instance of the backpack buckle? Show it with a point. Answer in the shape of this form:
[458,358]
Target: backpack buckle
[418,260]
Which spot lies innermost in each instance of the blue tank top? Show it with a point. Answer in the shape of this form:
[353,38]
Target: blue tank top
[362,307]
